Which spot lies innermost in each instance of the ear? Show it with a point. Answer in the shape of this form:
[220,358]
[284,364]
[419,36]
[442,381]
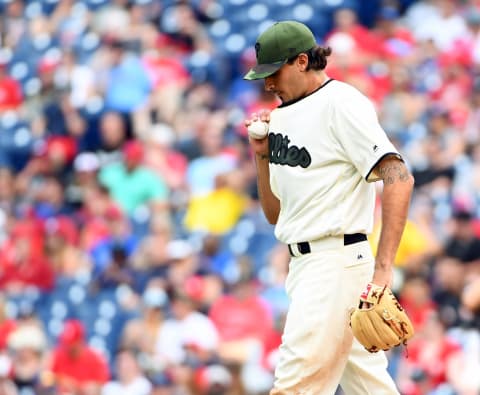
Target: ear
[302,61]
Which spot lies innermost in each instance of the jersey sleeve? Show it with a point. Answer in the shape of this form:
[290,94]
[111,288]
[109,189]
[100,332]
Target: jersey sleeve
[356,126]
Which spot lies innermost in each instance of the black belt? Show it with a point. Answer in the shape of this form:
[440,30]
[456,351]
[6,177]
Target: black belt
[304,246]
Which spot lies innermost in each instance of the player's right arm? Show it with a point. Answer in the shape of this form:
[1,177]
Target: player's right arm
[270,203]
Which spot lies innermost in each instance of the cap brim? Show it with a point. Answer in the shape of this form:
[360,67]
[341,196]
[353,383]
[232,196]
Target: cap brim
[263,70]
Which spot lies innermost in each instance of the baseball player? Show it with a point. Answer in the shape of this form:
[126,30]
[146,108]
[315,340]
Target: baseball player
[316,170]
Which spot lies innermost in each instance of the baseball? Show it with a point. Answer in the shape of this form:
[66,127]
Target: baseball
[258,130]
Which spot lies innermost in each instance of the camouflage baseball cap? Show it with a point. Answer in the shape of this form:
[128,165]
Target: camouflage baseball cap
[277,44]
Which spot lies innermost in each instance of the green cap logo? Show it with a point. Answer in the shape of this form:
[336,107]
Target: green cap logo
[277,44]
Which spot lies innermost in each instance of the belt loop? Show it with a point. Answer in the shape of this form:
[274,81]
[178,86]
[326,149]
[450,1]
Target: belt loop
[295,250]
[290,250]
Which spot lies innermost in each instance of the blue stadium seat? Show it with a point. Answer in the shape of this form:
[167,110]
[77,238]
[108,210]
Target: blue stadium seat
[235,43]
[100,345]
[16,140]
[53,328]
[219,29]
[102,326]
[86,45]
[86,312]
[77,294]
[107,309]
[31,87]
[59,310]
[21,70]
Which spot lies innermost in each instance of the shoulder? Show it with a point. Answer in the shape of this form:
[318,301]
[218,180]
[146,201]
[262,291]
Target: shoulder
[346,99]
[342,91]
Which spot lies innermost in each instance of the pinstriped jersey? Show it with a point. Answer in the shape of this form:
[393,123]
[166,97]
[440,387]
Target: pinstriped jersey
[323,149]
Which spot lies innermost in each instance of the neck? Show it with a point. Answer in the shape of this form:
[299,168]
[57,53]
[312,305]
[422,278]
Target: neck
[316,81]
[313,82]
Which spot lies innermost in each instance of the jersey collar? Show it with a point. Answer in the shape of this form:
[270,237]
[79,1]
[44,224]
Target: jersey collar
[288,103]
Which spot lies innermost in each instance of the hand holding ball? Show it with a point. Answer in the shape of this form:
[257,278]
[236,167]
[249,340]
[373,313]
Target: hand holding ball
[258,130]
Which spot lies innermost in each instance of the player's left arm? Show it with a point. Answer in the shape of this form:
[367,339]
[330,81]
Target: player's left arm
[397,190]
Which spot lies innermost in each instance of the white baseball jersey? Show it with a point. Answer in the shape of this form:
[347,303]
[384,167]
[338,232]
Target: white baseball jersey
[323,149]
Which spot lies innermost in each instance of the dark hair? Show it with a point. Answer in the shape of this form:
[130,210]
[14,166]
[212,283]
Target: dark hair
[317,57]
[463,215]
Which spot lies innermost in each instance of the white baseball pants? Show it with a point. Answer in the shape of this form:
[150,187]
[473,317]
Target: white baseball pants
[318,350]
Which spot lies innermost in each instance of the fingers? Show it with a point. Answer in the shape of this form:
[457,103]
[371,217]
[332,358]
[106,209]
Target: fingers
[262,115]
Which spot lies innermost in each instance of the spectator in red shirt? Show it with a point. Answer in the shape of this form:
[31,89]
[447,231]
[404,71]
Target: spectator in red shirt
[165,70]
[243,319]
[10,90]
[391,39]
[96,215]
[354,47]
[456,83]
[415,298]
[77,367]
[434,360]
[346,26]
[22,261]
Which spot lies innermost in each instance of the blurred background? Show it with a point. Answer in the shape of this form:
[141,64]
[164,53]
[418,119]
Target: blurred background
[134,256]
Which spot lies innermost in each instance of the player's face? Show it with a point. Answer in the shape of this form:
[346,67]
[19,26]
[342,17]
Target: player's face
[286,83]
[289,83]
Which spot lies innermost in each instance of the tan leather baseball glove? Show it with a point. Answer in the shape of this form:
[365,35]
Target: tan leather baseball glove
[380,322]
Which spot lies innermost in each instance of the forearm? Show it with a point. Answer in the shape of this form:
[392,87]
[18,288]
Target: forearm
[397,190]
[270,204]
[395,204]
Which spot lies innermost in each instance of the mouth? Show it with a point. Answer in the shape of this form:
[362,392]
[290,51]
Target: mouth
[279,95]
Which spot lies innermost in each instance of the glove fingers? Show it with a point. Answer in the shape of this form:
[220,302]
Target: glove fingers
[388,335]
[402,326]
[380,336]
[395,316]
[367,334]
[394,323]
[358,331]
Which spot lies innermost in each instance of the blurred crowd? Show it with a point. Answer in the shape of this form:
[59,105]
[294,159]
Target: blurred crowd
[134,256]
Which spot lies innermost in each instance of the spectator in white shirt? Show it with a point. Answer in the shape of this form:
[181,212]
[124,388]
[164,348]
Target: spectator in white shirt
[129,377]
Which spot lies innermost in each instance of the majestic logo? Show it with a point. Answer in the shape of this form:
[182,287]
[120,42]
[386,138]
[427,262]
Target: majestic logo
[283,154]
